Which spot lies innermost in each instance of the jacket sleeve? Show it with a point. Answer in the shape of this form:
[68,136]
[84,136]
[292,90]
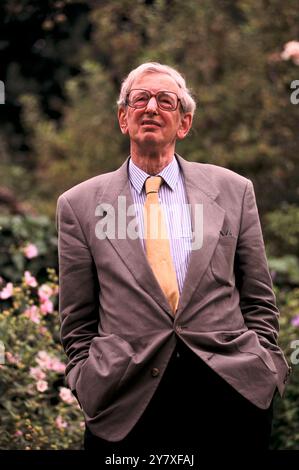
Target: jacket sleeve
[257,299]
[78,291]
[253,280]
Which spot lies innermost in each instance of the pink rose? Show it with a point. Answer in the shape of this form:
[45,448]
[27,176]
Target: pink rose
[43,360]
[37,373]
[66,395]
[29,279]
[30,251]
[60,422]
[47,307]
[47,362]
[57,366]
[44,292]
[42,385]
[7,291]
[291,51]
[11,358]
[33,313]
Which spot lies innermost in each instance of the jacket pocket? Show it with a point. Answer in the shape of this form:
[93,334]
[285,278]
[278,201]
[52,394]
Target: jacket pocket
[100,375]
[249,343]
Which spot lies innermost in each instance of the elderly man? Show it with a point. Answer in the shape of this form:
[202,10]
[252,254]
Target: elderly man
[170,327]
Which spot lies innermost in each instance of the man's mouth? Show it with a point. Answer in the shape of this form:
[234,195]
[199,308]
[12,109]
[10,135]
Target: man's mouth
[149,122]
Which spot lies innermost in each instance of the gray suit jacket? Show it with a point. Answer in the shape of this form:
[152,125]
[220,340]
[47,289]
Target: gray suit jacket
[117,328]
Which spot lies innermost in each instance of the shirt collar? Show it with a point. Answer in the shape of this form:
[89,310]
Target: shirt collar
[170,175]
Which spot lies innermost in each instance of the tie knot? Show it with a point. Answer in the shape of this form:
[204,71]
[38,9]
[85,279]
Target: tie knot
[152,184]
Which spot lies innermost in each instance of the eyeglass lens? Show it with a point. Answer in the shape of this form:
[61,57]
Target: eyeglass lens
[165,99]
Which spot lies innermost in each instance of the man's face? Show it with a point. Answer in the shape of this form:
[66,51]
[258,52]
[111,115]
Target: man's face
[151,126]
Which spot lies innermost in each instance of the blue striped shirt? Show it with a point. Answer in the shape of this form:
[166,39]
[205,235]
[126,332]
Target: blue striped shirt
[173,199]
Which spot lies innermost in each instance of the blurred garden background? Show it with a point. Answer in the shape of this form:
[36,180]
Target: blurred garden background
[62,63]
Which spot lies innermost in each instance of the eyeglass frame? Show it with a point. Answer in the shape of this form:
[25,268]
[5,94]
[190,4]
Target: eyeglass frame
[153,95]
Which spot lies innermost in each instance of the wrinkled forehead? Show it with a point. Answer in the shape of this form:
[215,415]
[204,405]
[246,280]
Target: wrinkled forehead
[155,81]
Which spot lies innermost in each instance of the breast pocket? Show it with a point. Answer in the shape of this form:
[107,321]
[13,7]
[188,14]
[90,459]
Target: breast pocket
[222,262]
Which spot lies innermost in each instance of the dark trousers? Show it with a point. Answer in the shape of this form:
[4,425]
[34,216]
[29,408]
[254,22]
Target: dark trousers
[193,408]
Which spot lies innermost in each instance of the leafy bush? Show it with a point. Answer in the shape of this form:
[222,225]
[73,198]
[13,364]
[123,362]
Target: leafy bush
[286,417]
[37,410]
[26,241]
[285,270]
[282,230]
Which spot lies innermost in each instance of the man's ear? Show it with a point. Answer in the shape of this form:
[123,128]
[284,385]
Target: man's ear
[185,126]
[122,119]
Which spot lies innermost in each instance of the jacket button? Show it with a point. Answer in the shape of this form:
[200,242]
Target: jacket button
[155,372]
[179,328]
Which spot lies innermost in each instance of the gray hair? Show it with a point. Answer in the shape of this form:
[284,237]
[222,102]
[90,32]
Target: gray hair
[187,101]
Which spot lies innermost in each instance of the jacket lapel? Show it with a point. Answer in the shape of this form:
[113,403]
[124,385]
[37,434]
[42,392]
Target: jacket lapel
[200,191]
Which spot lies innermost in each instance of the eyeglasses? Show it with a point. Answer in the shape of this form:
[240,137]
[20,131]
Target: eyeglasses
[166,100]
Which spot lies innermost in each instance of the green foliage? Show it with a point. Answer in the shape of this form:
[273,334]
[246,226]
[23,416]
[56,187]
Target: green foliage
[40,43]
[282,230]
[286,416]
[285,270]
[16,233]
[86,143]
[37,410]
[230,55]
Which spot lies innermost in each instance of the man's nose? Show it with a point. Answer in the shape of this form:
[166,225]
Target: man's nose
[152,105]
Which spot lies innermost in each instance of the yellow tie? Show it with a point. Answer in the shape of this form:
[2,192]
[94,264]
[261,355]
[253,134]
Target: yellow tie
[157,242]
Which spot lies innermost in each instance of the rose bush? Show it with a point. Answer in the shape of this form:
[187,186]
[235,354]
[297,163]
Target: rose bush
[37,410]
